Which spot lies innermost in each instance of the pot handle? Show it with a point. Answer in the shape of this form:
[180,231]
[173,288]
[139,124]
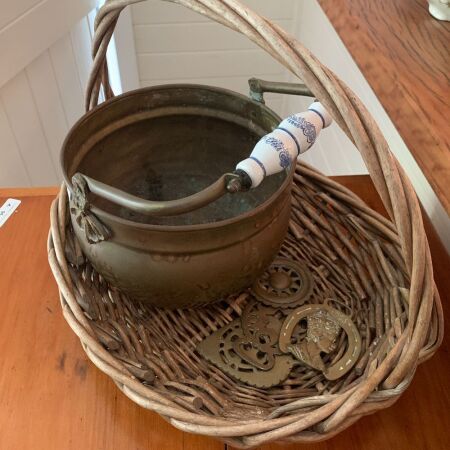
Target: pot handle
[294,135]
[83,184]
[258,87]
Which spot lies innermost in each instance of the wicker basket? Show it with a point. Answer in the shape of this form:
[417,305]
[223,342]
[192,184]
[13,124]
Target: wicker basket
[378,269]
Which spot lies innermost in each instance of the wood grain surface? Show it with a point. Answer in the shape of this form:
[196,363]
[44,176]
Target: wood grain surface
[404,53]
[53,398]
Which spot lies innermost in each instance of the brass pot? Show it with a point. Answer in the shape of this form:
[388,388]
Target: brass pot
[140,151]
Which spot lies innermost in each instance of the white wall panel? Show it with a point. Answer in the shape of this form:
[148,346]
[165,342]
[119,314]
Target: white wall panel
[12,168]
[44,87]
[187,37]
[126,52]
[37,107]
[157,11]
[67,78]
[81,45]
[176,45]
[11,10]
[26,126]
[206,64]
[32,30]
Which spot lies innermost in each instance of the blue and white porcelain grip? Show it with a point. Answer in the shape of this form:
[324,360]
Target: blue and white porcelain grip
[277,150]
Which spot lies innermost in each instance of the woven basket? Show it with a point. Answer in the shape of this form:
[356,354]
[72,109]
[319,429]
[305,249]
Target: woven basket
[379,270]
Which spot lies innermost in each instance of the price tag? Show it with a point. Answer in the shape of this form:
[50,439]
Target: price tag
[7,209]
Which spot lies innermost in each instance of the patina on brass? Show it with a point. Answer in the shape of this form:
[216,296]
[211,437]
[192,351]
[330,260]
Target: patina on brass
[285,284]
[324,326]
[258,87]
[261,329]
[227,183]
[94,230]
[166,144]
[219,349]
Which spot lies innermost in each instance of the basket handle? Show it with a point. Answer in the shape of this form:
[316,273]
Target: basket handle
[356,121]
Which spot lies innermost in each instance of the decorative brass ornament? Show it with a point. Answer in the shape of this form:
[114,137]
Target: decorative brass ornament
[285,284]
[219,349]
[257,319]
[261,329]
[324,326]
[94,230]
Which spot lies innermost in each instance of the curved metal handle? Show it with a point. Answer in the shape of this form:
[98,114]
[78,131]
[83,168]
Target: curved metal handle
[258,87]
[226,183]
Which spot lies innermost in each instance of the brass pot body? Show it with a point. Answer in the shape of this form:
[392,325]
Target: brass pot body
[168,142]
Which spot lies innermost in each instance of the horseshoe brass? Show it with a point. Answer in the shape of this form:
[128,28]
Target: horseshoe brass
[324,324]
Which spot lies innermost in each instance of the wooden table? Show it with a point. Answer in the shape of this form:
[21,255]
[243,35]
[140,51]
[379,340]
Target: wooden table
[404,53]
[52,397]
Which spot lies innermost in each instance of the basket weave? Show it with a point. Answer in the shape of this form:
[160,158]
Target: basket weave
[379,271]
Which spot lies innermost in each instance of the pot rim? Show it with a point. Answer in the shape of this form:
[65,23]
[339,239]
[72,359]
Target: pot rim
[174,228]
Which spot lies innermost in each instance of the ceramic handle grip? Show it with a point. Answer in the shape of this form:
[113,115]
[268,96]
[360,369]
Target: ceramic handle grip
[277,150]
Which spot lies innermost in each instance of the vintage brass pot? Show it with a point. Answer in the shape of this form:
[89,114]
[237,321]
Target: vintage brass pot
[168,143]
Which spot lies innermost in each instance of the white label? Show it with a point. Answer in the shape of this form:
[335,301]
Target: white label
[7,209]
